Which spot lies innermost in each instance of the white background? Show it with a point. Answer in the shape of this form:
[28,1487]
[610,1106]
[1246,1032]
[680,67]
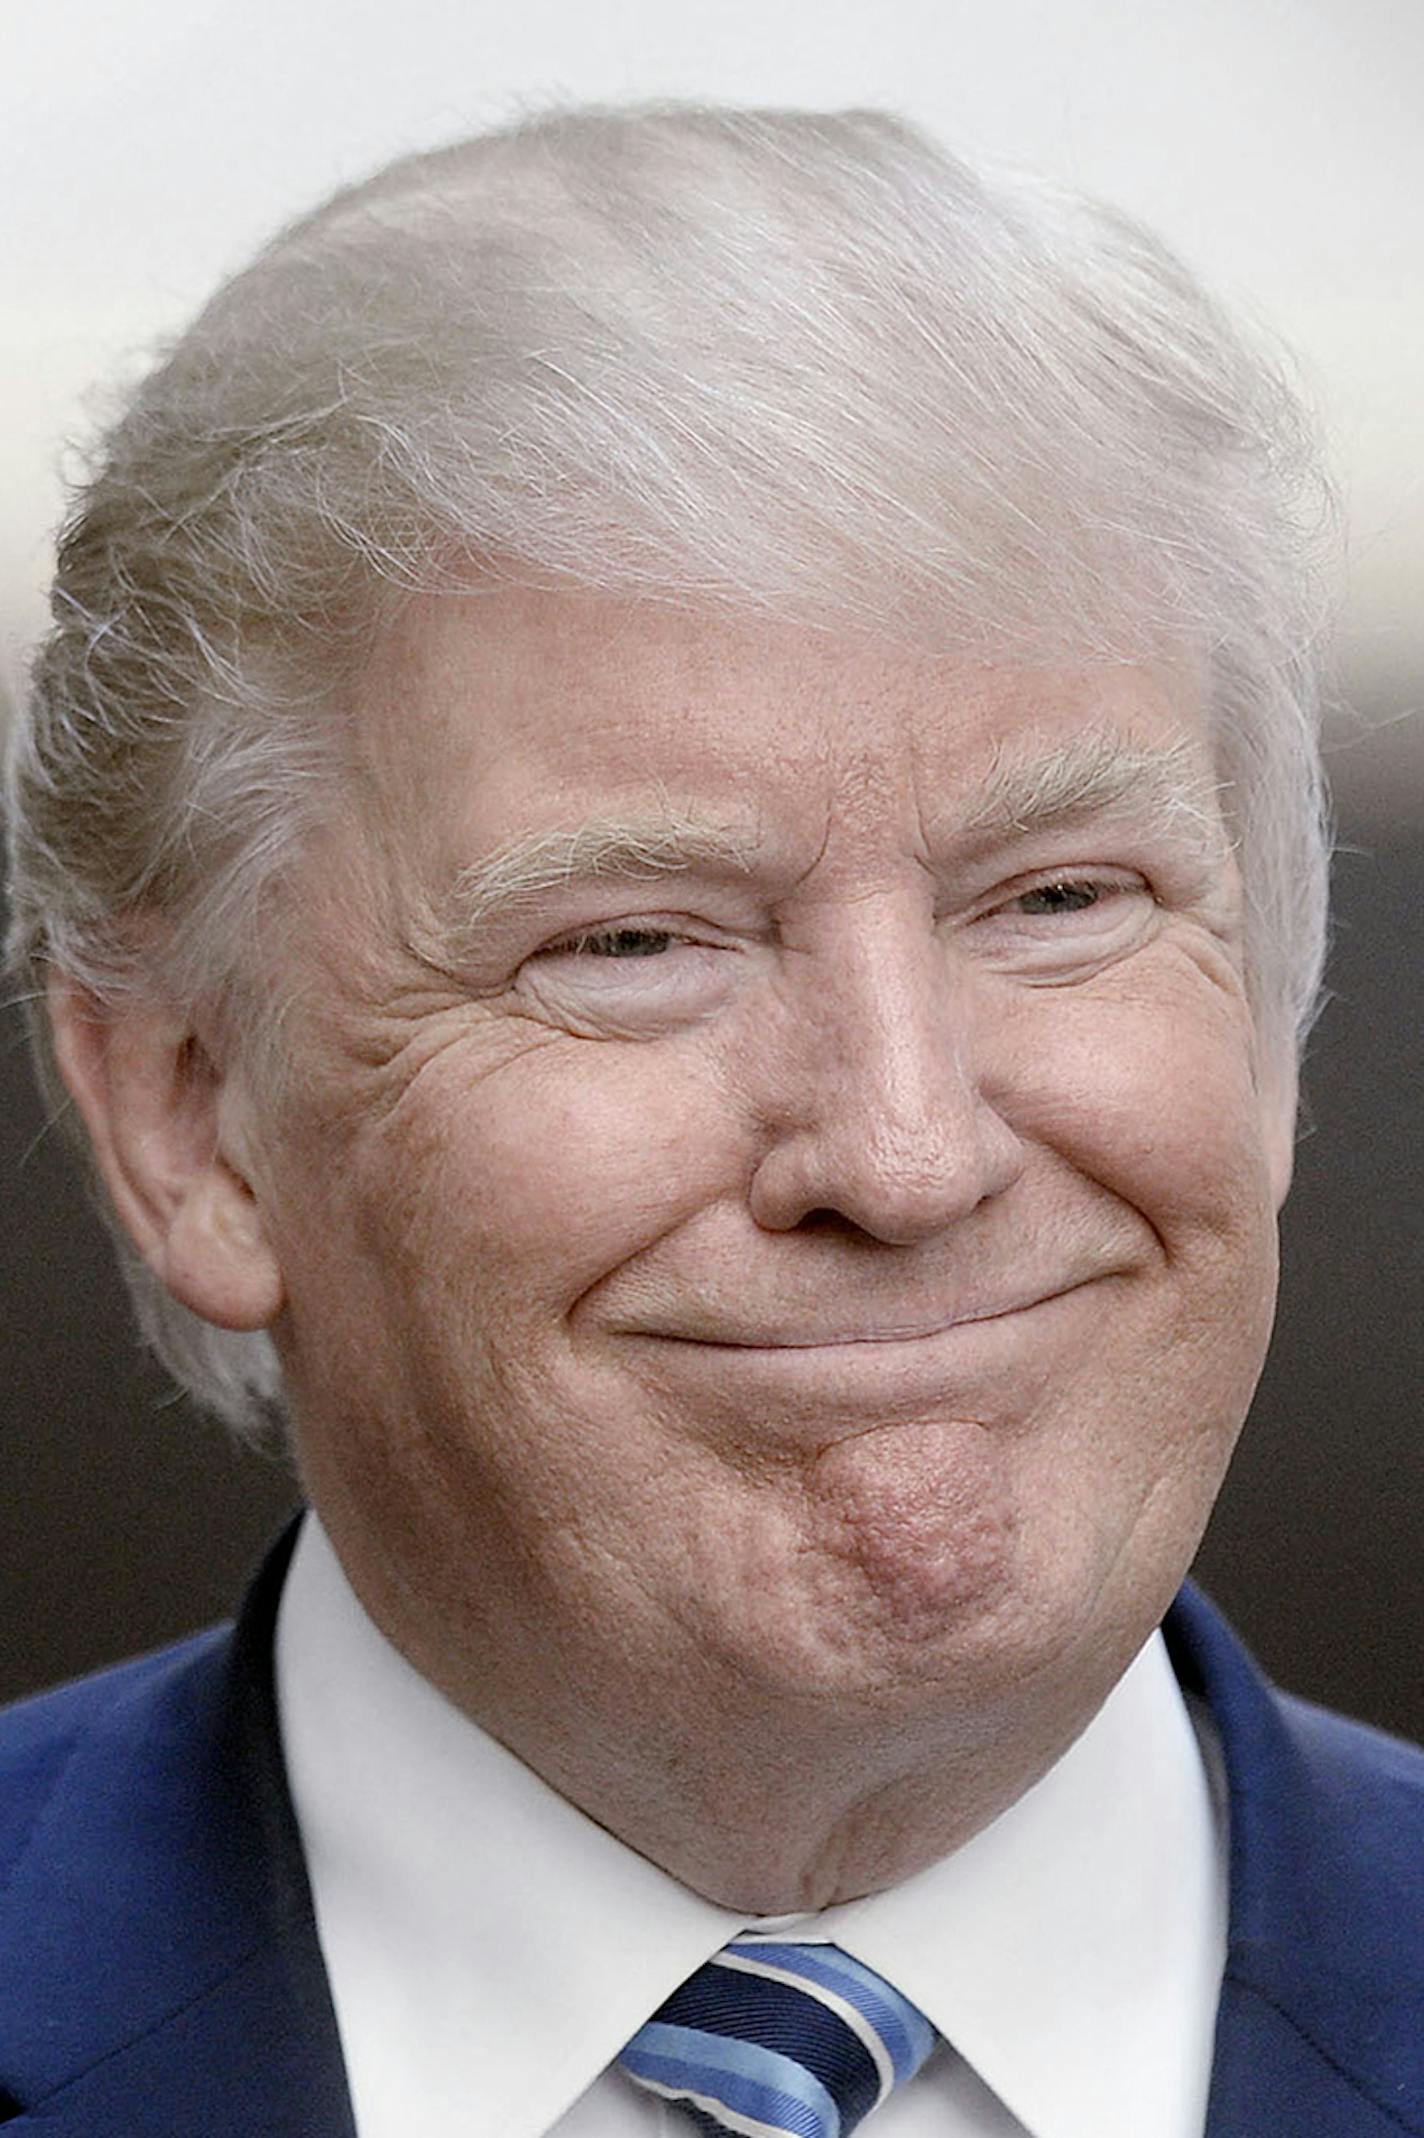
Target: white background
[147,146]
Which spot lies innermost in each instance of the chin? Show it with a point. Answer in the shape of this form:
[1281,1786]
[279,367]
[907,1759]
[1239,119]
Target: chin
[949,1602]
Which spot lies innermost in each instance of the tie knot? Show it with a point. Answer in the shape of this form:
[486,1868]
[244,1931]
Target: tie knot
[772,2038]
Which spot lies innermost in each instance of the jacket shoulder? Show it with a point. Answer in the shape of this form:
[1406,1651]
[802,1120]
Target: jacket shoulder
[1340,1748]
[1327,1814]
[159,1961]
[40,1735]
[1367,1791]
[1321,2025]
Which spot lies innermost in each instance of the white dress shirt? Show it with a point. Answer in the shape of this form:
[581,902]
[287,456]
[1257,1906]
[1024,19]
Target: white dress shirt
[490,1949]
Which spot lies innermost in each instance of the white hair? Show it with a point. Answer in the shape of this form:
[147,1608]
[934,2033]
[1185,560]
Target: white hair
[805,365]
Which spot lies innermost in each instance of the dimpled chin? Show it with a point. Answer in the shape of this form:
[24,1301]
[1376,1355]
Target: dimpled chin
[917,1524]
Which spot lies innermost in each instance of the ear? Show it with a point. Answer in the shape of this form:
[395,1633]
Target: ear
[165,1123]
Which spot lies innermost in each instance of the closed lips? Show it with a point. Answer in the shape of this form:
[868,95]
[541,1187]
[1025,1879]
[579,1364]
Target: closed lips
[910,1330]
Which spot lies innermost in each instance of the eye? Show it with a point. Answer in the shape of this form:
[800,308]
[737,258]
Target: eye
[1070,894]
[636,977]
[614,943]
[1064,926]
[1102,896]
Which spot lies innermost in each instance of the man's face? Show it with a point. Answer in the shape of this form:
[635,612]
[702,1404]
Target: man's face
[776,1199]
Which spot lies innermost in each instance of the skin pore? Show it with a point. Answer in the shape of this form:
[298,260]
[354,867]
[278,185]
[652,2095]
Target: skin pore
[770,1221]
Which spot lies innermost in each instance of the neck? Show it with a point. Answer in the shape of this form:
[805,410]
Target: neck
[764,1803]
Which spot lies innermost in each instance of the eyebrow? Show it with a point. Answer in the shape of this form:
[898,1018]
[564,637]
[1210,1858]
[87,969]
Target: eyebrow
[1098,774]
[517,875]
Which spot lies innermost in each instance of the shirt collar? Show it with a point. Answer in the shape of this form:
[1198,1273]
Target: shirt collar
[1073,1950]
[491,1949]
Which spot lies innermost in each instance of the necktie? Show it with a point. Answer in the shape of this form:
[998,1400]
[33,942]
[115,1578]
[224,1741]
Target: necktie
[770,2039]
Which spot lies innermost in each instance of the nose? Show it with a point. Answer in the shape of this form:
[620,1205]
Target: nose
[879,1115]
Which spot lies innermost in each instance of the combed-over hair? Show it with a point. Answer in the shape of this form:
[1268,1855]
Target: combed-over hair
[804,365]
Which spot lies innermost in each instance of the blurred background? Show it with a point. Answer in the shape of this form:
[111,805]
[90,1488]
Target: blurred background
[145,152]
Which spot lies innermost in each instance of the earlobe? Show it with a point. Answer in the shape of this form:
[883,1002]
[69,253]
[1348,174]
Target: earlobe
[1279,1099]
[159,1112]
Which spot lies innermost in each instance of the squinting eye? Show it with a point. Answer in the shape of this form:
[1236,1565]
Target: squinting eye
[1069,896]
[633,980]
[615,943]
[1050,927]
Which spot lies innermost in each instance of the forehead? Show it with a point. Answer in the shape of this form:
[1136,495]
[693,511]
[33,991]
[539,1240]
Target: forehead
[510,706]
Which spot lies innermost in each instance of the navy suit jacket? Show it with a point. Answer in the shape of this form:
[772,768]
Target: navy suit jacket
[160,1975]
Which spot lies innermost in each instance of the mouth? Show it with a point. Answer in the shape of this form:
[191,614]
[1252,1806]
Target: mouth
[808,1381]
[823,1335]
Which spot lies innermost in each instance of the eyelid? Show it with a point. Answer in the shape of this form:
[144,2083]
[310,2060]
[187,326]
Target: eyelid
[696,932]
[568,945]
[1103,877]
[635,996]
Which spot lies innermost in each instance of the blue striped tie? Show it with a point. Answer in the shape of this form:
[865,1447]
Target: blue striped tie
[769,2039]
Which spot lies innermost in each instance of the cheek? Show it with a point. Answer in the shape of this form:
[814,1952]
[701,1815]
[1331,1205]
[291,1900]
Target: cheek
[1156,1097]
[1168,1116]
[1156,1102]
[529,1183]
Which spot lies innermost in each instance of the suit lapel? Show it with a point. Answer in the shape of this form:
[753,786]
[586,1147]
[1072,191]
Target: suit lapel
[160,1921]
[1321,2023]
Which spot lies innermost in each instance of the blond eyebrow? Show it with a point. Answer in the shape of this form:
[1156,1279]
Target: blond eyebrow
[636,850]
[1097,774]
